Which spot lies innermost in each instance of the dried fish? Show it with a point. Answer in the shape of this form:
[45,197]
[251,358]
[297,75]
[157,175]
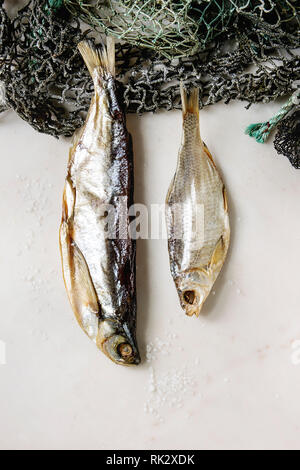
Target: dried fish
[99,268]
[197,215]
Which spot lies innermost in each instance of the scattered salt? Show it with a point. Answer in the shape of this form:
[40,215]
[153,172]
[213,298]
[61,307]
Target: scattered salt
[160,347]
[168,390]
[34,195]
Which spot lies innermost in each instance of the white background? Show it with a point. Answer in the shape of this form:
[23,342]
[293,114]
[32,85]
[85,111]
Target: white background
[228,380]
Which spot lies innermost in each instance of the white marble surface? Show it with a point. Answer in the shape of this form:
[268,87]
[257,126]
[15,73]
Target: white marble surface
[230,379]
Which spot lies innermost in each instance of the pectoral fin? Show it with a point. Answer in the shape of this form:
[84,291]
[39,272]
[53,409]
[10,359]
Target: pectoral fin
[79,284]
[209,155]
[219,255]
[225,199]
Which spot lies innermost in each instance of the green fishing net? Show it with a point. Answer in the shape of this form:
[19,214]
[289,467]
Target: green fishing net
[173,28]
[246,50]
[179,28]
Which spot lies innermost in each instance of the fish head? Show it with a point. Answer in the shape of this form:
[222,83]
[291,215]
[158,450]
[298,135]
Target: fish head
[194,287]
[117,343]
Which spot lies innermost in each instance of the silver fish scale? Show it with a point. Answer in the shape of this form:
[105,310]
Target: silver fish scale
[92,172]
[197,182]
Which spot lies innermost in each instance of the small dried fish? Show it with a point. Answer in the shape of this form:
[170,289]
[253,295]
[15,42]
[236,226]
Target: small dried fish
[197,215]
[100,270]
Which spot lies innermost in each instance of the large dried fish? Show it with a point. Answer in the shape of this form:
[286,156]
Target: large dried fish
[99,268]
[197,215]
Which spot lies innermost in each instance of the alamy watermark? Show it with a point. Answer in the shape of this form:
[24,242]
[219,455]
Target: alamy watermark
[142,222]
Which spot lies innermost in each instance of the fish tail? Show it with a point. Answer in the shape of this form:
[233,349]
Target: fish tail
[190,101]
[103,60]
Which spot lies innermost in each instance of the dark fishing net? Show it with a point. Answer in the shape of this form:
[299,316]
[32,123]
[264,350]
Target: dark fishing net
[5,44]
[287,139]
[48,85]
[41,70]
[5,32]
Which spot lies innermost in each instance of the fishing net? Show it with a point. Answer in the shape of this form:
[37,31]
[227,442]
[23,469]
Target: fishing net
[40,67]
[287,140]
[173,28]
[47,84]
[5,43]
[178,28]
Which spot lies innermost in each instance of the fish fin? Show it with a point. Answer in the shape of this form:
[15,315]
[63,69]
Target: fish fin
[103,60]
[170,191]
[209,155]
[79,284]
[190,101]
[69,198]
[219,254]
[225,199]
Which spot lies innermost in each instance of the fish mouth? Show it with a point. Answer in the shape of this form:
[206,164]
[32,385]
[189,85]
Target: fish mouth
[129,354]
[116,345]
[120,351]
[192,301]
[190,312]
[189,297]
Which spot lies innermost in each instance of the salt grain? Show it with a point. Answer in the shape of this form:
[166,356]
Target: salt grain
[160,347]
[169,390]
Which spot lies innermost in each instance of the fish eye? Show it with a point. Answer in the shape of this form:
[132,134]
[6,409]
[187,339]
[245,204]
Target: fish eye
[189,297]
[125,350]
